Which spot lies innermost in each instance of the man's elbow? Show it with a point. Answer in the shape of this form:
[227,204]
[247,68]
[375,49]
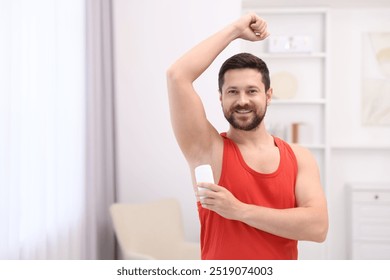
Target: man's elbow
[321,232]
[321,237]
[173,74]
[172,78]
[170,73]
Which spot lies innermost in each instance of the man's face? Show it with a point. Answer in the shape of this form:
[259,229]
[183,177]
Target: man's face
[243,98]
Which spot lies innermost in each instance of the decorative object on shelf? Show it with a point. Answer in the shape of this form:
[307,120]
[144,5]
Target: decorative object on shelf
[376,79]
[301,133]
[295,132]
[290,44]
[284,84]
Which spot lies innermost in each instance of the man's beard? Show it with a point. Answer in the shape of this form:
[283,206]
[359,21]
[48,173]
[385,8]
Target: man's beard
[253,123]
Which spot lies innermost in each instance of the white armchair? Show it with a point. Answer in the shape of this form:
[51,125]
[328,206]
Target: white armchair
[152,231]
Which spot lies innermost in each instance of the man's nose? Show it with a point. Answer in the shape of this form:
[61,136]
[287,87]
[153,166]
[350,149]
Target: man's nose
[242,99]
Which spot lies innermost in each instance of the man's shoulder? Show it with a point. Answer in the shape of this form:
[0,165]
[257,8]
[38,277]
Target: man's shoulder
[303,154]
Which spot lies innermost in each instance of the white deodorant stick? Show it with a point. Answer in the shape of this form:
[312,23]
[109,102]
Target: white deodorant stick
[204,173]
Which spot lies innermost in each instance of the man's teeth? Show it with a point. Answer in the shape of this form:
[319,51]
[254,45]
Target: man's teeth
[243,111]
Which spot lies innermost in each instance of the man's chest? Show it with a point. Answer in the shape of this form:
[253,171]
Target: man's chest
[264,161]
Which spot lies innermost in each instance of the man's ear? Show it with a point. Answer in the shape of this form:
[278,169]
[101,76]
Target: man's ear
[269,95]
[220,96]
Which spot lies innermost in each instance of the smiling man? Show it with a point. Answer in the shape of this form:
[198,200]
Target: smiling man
[268,193]
[245,73]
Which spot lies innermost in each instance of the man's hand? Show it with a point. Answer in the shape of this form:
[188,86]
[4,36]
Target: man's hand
[251,27]
[219,200]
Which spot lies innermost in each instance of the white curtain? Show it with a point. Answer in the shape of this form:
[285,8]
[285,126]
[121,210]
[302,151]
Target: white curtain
[46,201]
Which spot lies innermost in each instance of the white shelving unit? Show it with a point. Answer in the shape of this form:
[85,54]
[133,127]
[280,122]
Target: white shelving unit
[308,105]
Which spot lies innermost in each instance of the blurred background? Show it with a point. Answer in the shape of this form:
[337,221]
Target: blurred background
[85,119]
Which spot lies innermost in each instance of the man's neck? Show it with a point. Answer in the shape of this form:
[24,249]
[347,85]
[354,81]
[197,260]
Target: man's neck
[256,137]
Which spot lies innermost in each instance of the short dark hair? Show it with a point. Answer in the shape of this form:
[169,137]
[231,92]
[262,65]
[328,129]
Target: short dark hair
[241,61]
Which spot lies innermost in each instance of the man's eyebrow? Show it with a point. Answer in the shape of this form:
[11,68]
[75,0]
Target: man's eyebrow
[246,87]
[231,87]
[253,86]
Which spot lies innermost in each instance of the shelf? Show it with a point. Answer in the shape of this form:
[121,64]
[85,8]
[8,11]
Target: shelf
[320,101]
[292,55]
[313,146]
[372,240]
[250,5]
[361,147]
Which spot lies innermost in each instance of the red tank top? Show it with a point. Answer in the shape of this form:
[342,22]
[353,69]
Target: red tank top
[227,239]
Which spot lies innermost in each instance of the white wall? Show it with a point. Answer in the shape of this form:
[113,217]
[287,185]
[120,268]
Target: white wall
[347,29]
[149,36]
[359,153]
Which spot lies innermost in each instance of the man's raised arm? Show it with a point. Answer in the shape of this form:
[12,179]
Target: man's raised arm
[195,135]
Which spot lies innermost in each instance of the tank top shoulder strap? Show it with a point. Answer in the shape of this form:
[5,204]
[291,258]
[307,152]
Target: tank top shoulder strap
[288,153]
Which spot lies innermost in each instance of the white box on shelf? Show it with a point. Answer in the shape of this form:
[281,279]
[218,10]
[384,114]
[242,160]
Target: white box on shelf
[290,44]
